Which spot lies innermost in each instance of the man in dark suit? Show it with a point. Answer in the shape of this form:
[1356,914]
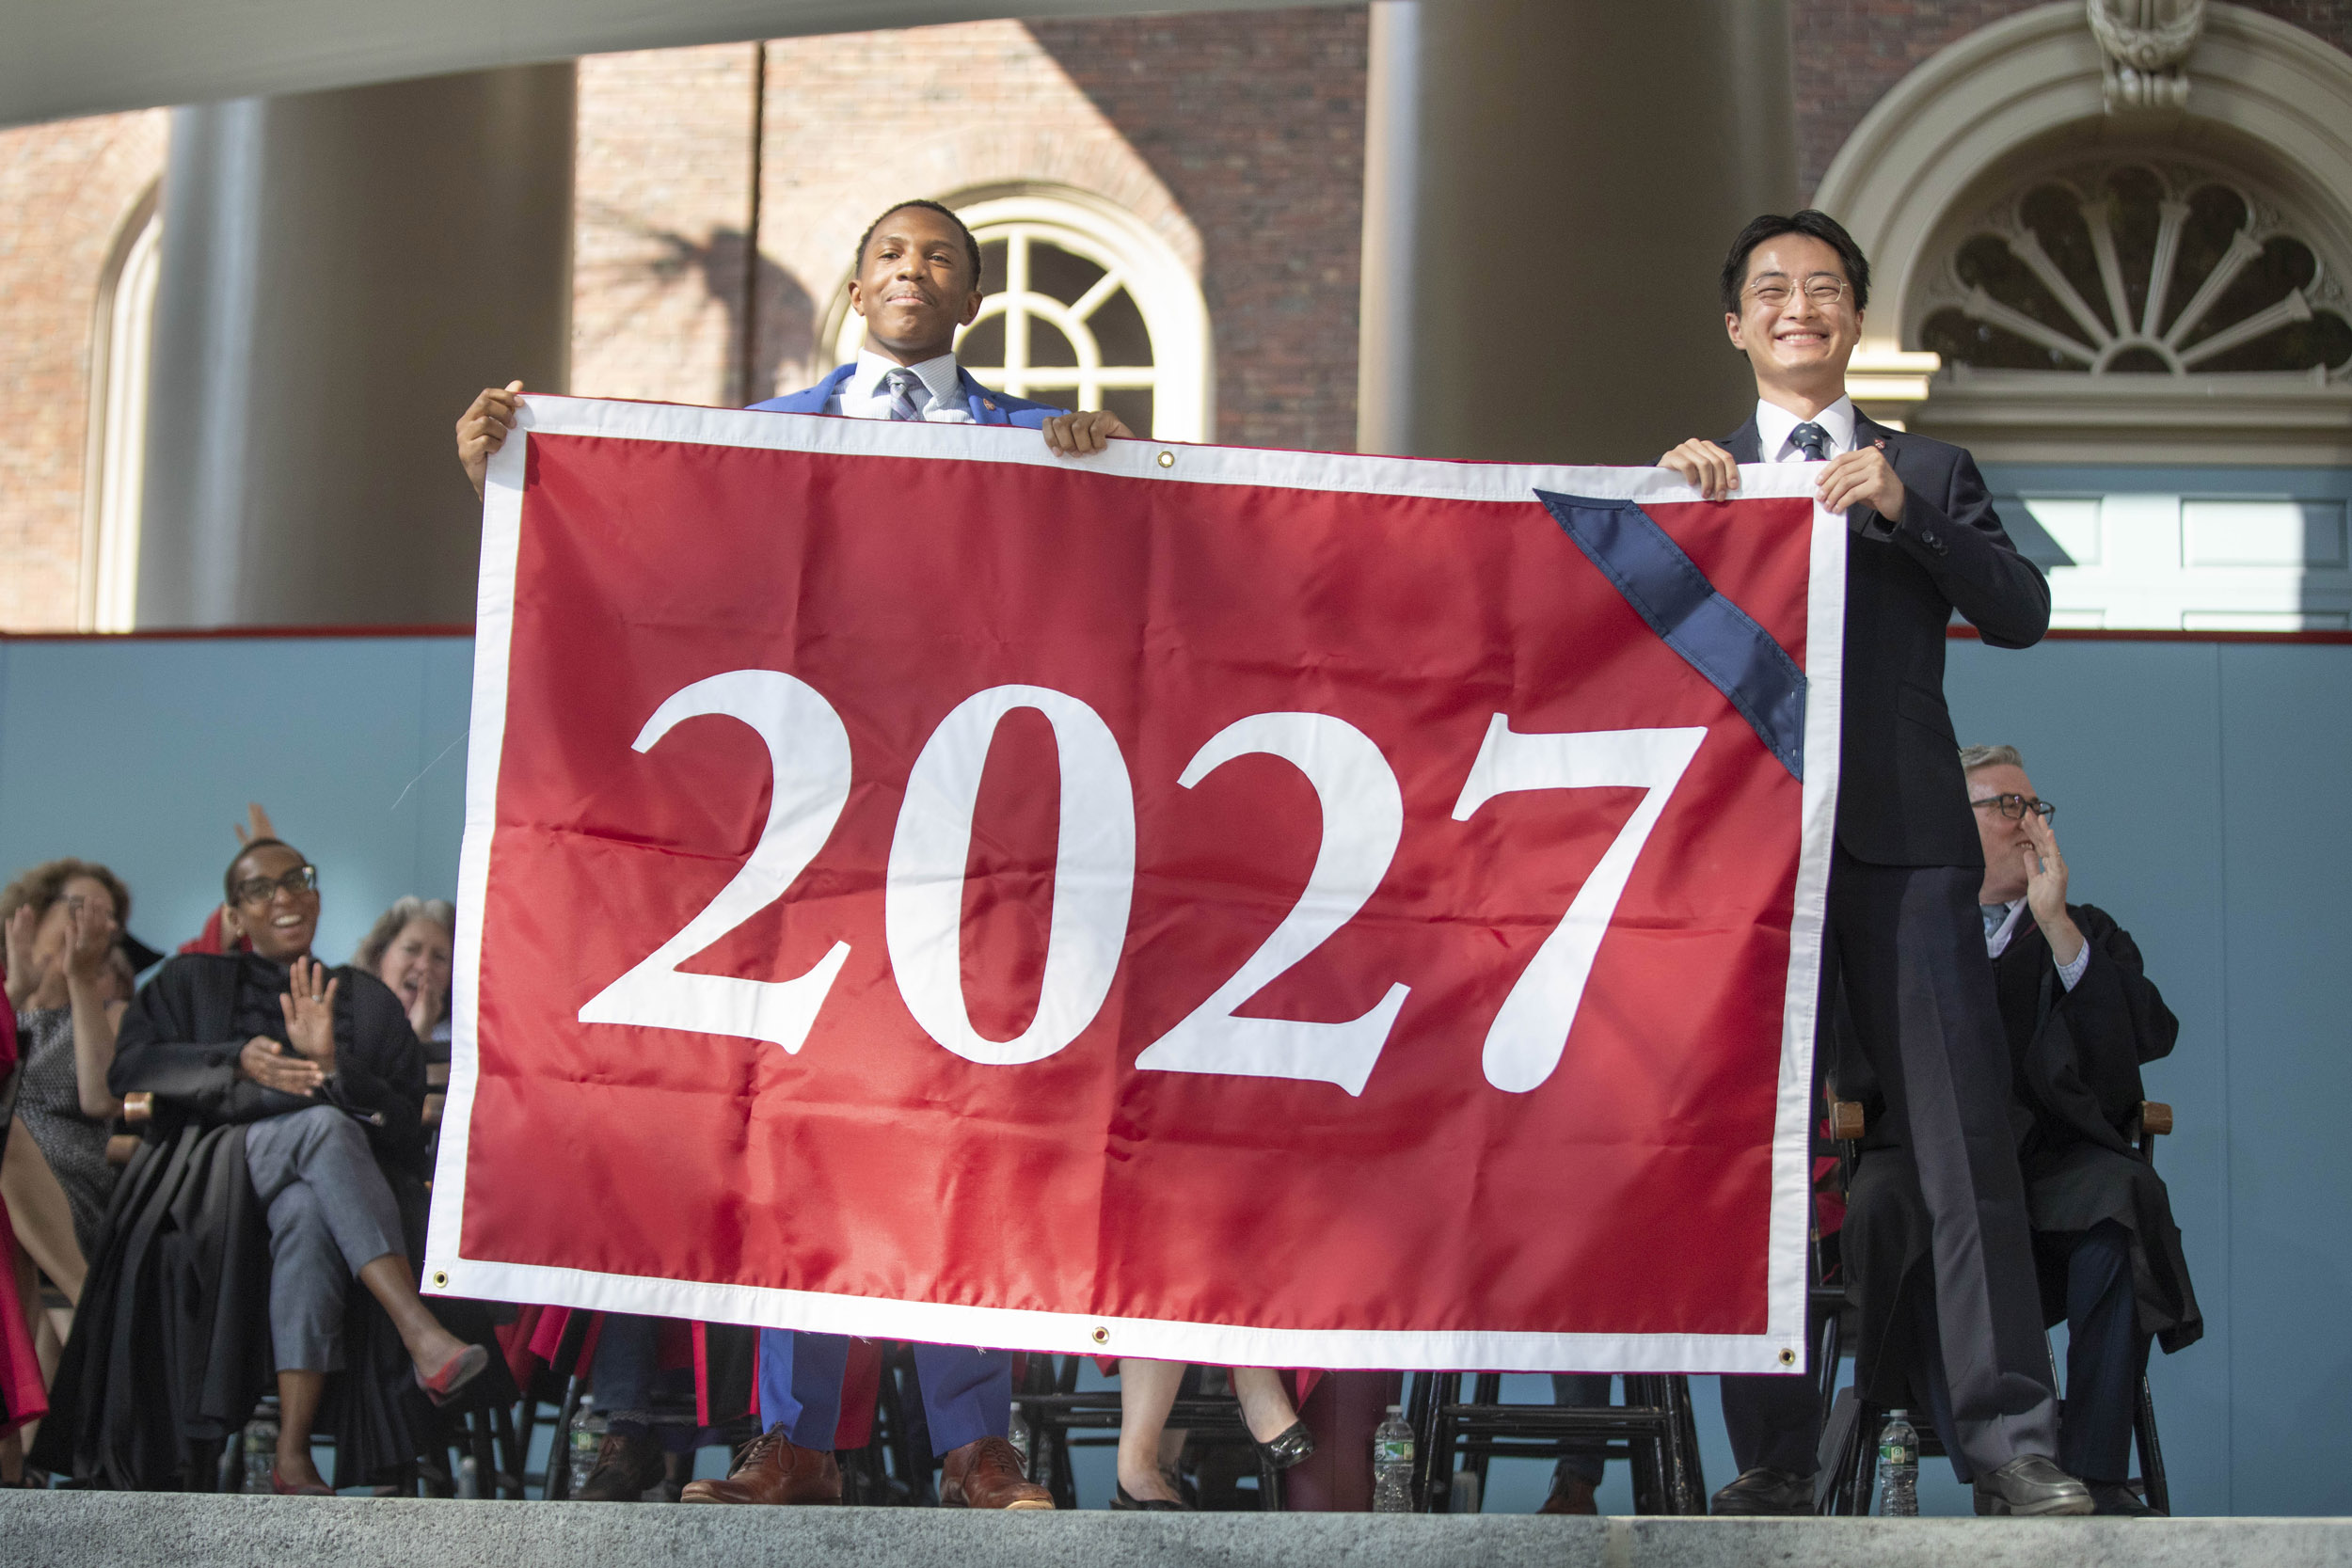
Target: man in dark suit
[918,282]
[1902,931]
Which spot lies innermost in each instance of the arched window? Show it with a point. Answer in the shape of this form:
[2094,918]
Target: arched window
[2137,268]
[114,474]
[2126,294]
[1086,308]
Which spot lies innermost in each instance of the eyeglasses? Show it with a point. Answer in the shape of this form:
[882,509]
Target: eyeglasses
[2014,807]
[1821,289]
[257,890]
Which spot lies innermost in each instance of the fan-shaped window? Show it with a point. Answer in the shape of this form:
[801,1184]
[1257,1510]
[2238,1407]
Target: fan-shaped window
[1086,308]
[2138,270]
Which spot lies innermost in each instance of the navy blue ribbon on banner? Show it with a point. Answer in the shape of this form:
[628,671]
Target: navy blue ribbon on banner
[1715,636]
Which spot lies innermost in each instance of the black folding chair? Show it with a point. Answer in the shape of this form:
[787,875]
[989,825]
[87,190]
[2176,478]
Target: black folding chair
[1850,1440]
[1654,1431]
[1060,1417]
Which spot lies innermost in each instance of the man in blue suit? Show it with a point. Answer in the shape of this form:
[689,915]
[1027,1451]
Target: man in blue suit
[917,281]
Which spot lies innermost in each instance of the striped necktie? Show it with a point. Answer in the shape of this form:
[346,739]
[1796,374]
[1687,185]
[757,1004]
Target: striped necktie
[904,386]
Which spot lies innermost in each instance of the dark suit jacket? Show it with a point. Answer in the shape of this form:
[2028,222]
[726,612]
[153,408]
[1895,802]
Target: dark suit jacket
[1901,800]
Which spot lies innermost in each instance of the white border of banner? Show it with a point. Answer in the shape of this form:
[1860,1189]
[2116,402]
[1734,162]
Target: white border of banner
[1779,1349]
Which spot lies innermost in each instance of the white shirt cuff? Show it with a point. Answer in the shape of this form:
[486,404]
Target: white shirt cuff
[2070,973]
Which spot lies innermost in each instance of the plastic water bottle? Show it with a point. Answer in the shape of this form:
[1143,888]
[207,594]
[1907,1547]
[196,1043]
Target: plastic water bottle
[1392,1465]
[587,1437]
[260,1454]
[1899,1467]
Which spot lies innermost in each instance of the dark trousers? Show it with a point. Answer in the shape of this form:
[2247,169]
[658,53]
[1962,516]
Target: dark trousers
[1585,1461]
[968,1393]
[1908,946]
[629,1382]
[2106,1351]
[1774,1423]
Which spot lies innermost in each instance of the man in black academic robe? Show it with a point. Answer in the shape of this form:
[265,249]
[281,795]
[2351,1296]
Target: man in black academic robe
[2081,1017]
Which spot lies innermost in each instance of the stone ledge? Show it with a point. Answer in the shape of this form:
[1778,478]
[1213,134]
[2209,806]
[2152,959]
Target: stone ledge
[85,1529]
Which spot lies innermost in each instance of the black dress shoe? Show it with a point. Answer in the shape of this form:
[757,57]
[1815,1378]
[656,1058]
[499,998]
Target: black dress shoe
[1124,1502]
[1765,1491]
[1287,1447]
[2113,1497]
[2032,1487]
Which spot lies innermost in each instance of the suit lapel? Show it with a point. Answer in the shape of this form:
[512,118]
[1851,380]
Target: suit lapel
[980,401]
[1744,444]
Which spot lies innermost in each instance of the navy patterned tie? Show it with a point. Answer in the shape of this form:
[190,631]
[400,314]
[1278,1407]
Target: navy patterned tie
[1810,440]
[904,385]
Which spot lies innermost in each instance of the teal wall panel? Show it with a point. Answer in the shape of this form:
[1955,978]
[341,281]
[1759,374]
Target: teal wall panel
[2200,787]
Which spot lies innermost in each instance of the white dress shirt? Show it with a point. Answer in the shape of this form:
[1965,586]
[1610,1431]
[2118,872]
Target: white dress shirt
[866,395]
[1997,941]
[1774,424]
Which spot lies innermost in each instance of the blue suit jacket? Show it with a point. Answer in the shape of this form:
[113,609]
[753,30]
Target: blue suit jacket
[987,407]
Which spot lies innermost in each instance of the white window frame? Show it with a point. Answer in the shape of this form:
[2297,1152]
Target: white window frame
[114,472]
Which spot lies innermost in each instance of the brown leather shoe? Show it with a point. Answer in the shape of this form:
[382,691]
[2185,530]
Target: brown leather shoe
[988,1474]
[1569,1494]
[770,1470]
[627,1466]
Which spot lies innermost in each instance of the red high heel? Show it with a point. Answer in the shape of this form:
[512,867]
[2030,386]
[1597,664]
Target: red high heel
[463,1368]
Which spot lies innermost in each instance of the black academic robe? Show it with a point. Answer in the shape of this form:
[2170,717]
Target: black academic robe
[2074,1096]
[171,1346]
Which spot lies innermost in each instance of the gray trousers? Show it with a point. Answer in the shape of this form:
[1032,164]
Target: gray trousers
[331,1214]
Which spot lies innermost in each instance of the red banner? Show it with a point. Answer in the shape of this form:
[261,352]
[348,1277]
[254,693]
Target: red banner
[1247,906]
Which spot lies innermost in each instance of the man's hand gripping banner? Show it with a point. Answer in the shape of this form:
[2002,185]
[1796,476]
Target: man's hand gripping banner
[1244,907]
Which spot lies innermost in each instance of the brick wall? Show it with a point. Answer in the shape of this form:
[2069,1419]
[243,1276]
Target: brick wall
[1236,138]
[661,201]
[66,192]
[1850,52]
[1256,124]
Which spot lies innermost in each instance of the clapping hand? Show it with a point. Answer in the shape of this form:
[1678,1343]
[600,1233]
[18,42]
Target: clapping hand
[2046,890]
[308,1004]
[90,935]
[272,1066]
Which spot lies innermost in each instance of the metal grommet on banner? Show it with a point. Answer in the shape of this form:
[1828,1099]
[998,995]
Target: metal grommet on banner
[441,1279]
[1168,460]
[1102,1336]
[1787,1357]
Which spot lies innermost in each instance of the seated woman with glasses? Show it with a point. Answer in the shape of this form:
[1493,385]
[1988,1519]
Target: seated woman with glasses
[311,1083]
[409,949]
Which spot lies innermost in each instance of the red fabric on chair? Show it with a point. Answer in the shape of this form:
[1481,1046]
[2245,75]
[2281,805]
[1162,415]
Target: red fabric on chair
[861,1388]
[23,1398]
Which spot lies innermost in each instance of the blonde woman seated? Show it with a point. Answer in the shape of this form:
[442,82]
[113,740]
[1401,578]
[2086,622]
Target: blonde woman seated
[69,983]
[1148,1450]
[408,948]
